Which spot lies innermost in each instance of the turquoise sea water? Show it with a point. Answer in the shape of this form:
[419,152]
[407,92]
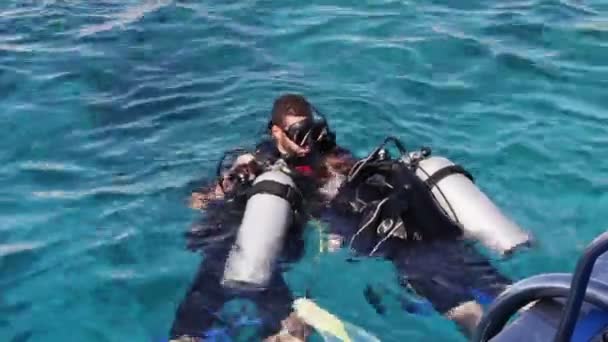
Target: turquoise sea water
[111,109]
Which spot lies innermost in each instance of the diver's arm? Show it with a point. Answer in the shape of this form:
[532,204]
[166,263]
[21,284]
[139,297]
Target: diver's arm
[200,198]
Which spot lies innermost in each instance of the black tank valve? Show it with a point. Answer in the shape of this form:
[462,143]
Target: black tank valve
[425,151]
[383,154]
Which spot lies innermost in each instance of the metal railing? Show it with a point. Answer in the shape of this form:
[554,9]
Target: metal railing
[576,288]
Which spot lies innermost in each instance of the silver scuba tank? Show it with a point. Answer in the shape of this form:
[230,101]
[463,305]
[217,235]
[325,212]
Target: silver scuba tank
[468,206]
[268,215]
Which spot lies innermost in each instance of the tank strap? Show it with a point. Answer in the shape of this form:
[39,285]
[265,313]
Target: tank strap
[446,171]
[291,195]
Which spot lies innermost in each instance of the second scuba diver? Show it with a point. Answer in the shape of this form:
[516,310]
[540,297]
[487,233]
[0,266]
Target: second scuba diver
[307,149]
[375,206]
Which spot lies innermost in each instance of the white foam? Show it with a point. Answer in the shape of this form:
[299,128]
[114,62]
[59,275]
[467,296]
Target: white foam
[12,248]
[128,16]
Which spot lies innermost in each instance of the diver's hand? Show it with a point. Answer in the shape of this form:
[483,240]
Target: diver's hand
[245,169]
[294,330]
[334,242]
[329,242]
[199,200]
[245,165]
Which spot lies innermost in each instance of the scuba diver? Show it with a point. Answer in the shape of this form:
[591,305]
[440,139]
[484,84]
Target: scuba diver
[304,147]
[376,206]
[398,218]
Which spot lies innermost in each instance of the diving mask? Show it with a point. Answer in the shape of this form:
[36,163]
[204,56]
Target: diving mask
[311,132]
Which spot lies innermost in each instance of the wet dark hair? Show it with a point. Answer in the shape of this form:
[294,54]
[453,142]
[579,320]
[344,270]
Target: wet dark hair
[290,105]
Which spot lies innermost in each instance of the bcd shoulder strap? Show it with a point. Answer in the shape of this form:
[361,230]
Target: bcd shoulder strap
[446,171]
[290,194]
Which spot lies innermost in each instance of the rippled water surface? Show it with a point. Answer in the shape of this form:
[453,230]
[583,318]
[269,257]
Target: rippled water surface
[111,109]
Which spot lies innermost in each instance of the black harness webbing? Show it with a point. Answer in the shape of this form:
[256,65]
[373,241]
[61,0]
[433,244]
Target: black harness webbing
[446,171]
[293,196]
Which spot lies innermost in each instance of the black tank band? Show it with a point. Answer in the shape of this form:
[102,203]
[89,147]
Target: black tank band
[286,192]
[446,171]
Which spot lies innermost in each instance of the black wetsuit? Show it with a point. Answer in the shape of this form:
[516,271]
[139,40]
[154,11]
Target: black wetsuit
[198,310]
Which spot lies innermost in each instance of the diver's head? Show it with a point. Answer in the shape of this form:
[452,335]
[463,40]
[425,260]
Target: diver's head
[292,124]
